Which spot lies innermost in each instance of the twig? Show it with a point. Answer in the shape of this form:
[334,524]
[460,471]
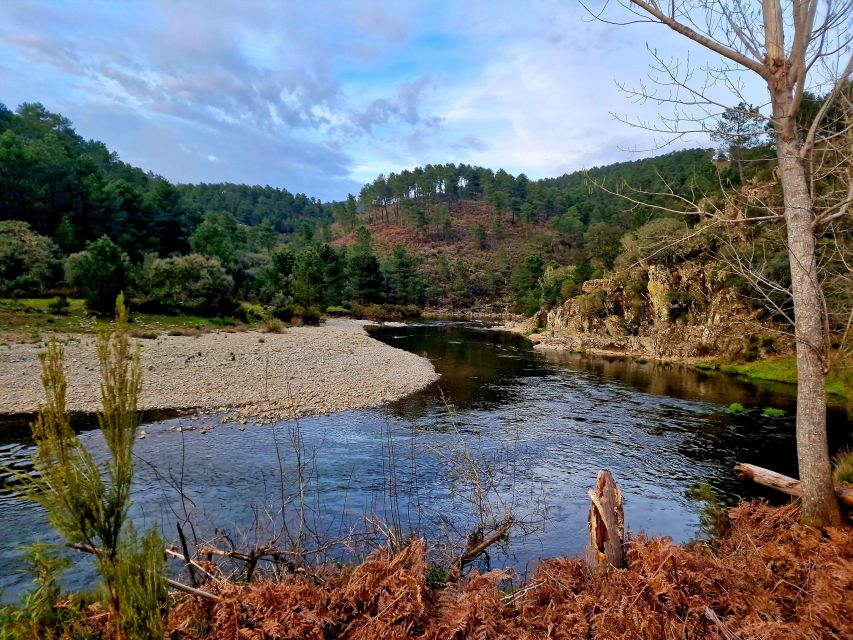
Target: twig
[192,591]
[87,548]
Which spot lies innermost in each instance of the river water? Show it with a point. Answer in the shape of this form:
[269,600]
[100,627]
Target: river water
[539,426]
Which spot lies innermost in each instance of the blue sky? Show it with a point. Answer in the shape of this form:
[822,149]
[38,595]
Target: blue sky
[320,97]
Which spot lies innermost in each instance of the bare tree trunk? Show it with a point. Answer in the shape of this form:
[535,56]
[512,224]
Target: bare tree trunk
[820,506]
[730,30]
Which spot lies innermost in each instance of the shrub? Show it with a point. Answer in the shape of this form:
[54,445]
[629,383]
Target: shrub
[87,503]
[592,304]
[297,314]
[144,334]
[188,284]
[383,312]
[286,312]
[100,273]
[334,310]
[28,262]
[312,316]
[736,408]
[272,325]
[59,305]
[772,412]
[660,241]
[249,313]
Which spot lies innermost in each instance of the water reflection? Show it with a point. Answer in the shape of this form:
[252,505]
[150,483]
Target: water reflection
[553,418]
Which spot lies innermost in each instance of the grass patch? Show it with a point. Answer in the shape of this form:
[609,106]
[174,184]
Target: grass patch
[838,383]
[776,369]
[706,366]
[736,408]
[843,468]
[29,316]
[772,412]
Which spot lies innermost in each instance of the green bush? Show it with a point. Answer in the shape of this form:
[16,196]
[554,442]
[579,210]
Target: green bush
[100,273]
[334,310]
[312,315]
[272,325]
[87,502]
[437,577]
[249,313]
[188,284]
[297,314]
[772,412]
[383,311]
[28,262]
[59,305]
[592,304]
[736,408]
[286,312]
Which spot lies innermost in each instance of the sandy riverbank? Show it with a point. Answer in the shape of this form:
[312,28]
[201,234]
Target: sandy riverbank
[262,376]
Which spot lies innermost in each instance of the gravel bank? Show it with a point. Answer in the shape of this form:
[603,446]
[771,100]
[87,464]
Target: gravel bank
[254,376]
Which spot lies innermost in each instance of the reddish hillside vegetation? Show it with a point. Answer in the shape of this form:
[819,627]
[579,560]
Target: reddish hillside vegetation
[473,237]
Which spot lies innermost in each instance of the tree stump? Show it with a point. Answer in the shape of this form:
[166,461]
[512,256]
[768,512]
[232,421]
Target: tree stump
[606,525]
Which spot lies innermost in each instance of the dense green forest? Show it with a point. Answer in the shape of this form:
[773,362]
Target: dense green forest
[75,219]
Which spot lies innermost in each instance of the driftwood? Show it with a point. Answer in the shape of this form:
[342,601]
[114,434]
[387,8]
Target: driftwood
[475,550]
[606,524]
[785,484]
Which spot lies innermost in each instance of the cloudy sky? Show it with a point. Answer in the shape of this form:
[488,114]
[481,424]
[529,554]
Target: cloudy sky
[320,97]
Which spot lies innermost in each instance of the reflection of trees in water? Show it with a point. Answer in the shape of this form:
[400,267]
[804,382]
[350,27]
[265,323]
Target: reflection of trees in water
[679,381]
[501,375]
[475,365]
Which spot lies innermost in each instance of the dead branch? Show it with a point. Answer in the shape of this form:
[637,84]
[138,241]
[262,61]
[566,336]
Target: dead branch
[87,548]
[192,591]
[475,550]
[785,484]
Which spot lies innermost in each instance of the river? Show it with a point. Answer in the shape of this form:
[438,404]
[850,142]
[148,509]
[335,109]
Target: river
[539,424]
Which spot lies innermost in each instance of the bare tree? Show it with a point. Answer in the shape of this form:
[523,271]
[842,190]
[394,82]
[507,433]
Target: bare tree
[794,47]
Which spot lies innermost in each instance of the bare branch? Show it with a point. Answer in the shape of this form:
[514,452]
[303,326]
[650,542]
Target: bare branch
[843,79]
[727,52]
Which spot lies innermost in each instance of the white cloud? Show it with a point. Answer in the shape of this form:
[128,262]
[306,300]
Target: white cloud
[342,90]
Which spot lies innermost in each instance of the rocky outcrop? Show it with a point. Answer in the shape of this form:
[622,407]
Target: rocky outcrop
[679,312]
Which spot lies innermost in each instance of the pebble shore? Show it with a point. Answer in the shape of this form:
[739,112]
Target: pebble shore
[251,376]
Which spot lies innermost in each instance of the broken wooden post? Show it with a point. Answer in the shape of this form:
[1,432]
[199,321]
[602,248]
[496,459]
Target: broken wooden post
[606,524]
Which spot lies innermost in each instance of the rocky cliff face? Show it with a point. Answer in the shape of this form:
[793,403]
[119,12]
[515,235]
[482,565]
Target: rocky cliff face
[684,311]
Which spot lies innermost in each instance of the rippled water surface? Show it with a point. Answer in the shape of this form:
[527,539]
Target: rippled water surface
[551,421]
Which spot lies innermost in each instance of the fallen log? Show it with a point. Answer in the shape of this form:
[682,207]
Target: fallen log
[606,525]
[785,484]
